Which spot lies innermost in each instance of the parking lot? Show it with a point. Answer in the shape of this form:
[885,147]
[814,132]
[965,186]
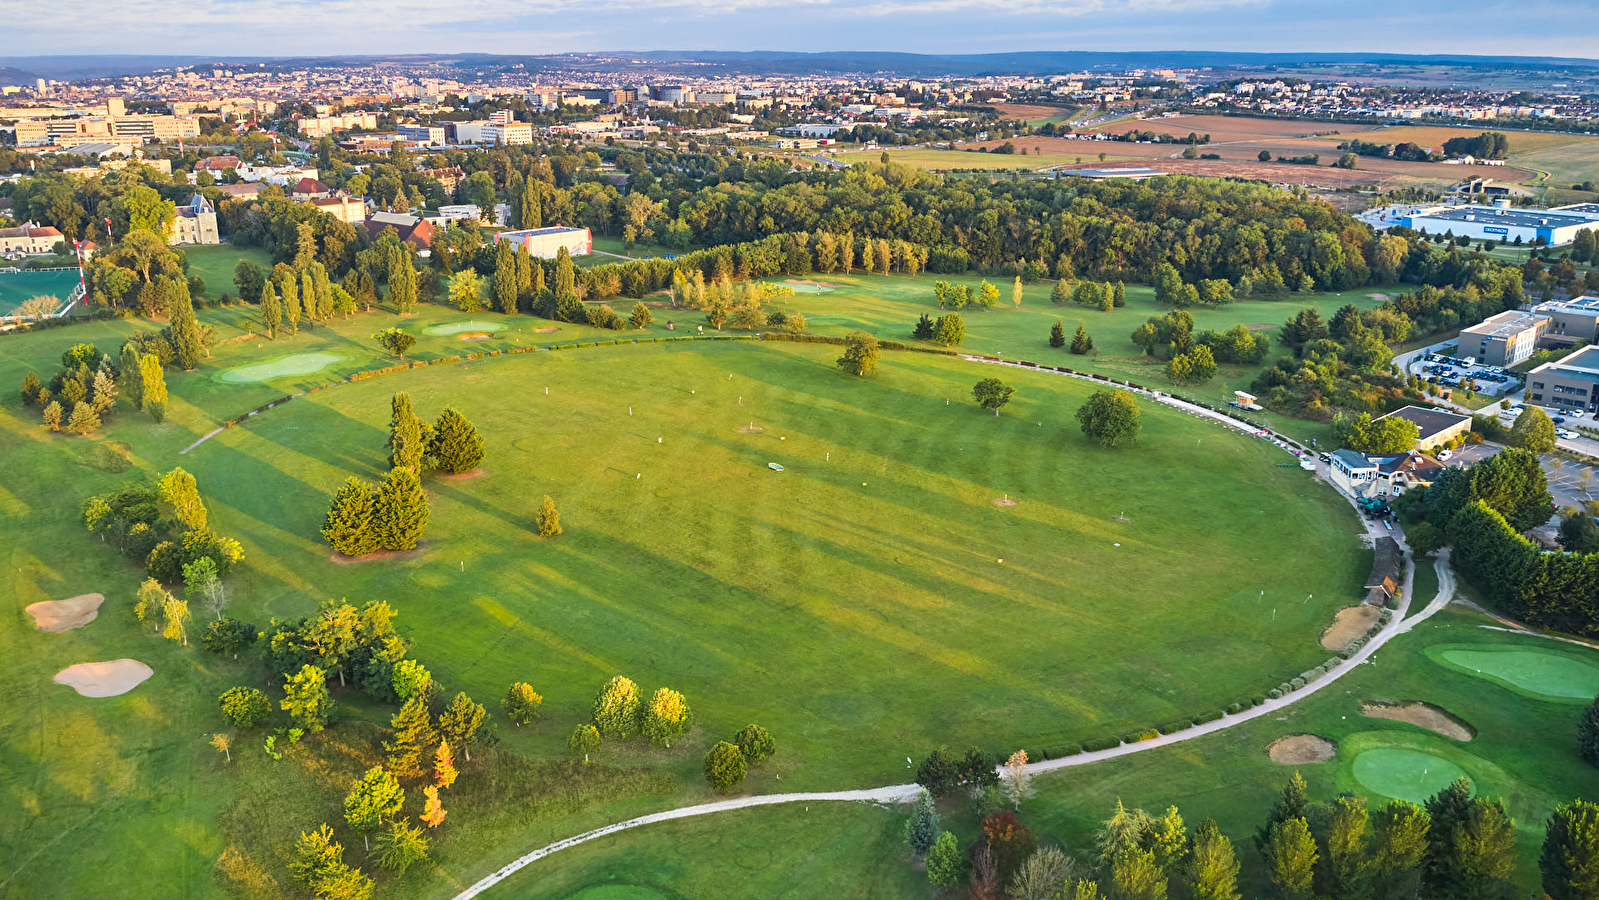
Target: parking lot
[1570,483]
[1452,372]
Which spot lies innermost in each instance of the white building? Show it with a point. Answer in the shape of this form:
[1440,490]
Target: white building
[1496,223]
[546,243]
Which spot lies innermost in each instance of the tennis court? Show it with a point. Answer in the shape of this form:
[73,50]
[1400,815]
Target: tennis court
[15,287]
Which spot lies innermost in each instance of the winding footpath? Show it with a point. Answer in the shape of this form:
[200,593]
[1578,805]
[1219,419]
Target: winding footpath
[905,793]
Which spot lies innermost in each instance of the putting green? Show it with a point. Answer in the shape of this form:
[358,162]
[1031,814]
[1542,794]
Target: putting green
[618,892]
[1550,674]
[464,328]
[1405,774]
[298,364]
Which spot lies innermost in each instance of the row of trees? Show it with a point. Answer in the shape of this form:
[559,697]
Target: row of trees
[91,394]
[1104,297]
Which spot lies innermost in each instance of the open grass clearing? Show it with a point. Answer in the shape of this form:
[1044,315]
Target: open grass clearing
[215,264]
[1546,672]
[294,364]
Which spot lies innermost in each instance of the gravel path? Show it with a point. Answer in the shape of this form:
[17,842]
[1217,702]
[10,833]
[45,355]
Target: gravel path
[905,793]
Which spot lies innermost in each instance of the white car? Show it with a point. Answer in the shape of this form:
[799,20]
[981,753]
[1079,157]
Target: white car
[1443,455]
[1565,435]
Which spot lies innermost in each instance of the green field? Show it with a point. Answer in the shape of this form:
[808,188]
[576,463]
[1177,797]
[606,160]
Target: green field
[1523,753]
[16,288]
[879,553]
[889,307]
[215,264]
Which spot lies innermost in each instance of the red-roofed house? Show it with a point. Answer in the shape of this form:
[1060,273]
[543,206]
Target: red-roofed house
[217,164]
[416,232]
[309,189]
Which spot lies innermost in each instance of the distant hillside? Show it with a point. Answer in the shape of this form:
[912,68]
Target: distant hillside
[9,75]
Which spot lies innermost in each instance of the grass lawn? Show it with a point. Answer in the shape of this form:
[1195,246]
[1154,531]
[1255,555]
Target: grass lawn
[750,591]
[1524,749]
[889,307]
[215,264]
[839,850]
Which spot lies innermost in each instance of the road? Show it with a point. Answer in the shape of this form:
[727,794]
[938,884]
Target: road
[905,793]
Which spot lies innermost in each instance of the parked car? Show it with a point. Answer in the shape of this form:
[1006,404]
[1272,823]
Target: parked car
[1565,435]
[1443,455]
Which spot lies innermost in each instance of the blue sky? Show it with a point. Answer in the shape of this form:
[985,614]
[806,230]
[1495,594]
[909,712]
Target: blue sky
[282,27]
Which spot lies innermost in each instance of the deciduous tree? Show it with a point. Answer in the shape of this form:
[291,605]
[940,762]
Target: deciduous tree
[860,354]
[1399,848]
[549,518]
[944,864]
[306,699]
[755,743]
[616,709]
[725,766]
[991,393]
[433,811]
[245,707]
[666,717]
[1212,867]
[374,797]
[1110,418]
[585,739]
[521,704]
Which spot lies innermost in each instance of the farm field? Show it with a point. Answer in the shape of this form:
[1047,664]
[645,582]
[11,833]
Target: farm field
[1227,129]
[1227,776]
[696,572]
[923,158]
[1036,114]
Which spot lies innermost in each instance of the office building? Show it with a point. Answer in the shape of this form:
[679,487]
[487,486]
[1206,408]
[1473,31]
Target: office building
[546,243]
[1571,383]
[1504,339]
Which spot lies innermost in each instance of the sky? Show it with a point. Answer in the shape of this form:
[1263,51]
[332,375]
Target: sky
[352,27]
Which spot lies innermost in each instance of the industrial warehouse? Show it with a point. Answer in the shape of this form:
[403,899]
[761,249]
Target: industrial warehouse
[546,243]
[1551,227]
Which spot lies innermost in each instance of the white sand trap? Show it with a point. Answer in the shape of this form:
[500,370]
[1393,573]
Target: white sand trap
[1301,749]
[65,615]
[104,679]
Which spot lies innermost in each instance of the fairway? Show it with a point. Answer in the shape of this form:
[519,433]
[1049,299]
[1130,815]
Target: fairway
[215,264]
[1404,774]
[1549,674]
[466,327]
[618,892]
[17,287]
[1088,609]
[297,364]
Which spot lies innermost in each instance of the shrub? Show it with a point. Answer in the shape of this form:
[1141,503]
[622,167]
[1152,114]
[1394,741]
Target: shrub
[1202,718]
[1274,693]
[1296,684]
[1169,727]
[1235,709]
[1104,743]
[1061,750]
[1146,735]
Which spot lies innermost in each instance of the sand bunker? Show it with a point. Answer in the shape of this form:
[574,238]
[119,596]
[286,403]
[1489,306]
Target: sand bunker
[1260,326]
[104,679]
[547,329]
[343,560]
[1351,622]
[750,429]
[1004,501]
[65,615]
[1301,749]
[1423,714]
[468,475]
[298,364]
[476,336]
[1380,298]
[463,328]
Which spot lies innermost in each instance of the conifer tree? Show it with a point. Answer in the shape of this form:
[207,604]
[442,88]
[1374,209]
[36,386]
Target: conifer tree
[1119,297]
[1570,860]
[1057,335]
[406,445]
[184,327]
[348,527]
[402,511]
[31,386]
[402,283]
[1588,734]
[1081,342]
[924,328]
[549,518]
[460,721]
[444,771]
[922,828]
[454,445]
[84,419]
[413,736]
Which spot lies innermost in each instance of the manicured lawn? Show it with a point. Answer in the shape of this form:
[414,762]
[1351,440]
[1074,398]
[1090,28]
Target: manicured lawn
[216,263]
[889,307]
[842,850]
[1524,749]
[861,623]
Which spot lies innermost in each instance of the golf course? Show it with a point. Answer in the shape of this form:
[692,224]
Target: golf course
[915,573]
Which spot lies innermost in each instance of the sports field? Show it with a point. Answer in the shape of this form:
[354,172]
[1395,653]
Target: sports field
[17,287]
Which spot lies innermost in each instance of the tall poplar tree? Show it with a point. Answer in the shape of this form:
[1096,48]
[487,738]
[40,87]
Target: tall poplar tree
[505,283]
[132,375]
[271,310]
[184,326]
